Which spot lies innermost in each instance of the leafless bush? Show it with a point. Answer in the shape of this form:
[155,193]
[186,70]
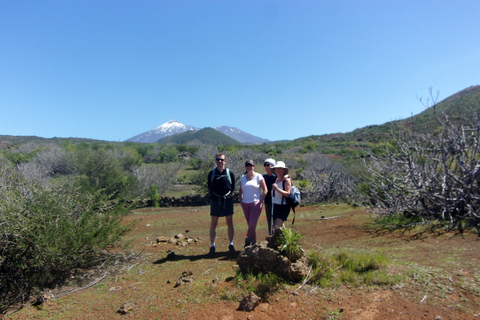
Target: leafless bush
[28,147]
[154,175]
[46,164]
[236,162]
[326,180]
[429,177]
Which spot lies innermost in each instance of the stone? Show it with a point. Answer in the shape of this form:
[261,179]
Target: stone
[249,302]
[125,308]
[261,258]
[162,239]
[185,278]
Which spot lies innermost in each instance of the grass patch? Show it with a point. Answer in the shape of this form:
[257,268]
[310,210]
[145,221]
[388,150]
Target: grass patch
[350,267]
[262,284]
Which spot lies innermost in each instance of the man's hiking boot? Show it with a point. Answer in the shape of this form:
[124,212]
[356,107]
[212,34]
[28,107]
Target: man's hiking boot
[212,251]
[231,248]
[247,242]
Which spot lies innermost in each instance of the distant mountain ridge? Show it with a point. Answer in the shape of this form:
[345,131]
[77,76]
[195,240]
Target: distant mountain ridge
[173,127]
[240,136]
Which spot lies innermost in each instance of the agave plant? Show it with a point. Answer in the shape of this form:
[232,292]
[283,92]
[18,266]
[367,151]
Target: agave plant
[289,243]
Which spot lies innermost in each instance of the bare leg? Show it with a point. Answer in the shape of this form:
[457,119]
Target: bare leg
[213,229]
[279,223]
[230,227]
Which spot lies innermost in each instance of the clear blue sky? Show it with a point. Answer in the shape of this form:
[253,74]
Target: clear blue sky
[110,70]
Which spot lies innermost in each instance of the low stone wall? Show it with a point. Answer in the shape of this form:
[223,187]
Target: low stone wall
[184,201]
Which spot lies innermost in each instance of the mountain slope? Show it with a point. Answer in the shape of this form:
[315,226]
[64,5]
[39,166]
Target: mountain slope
[240,136]
[205,136]
[167,129]
[457,104]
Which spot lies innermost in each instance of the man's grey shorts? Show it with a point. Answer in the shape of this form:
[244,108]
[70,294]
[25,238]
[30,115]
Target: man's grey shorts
[221,208]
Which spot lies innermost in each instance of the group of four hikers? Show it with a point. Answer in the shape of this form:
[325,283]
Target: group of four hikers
[256,191]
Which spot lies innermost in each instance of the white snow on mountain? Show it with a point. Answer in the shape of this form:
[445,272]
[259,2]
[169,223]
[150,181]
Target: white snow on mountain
[173,127]
[167,129]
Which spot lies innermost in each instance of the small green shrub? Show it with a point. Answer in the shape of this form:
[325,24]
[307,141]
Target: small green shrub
[154,196]
[289,243]
[303,184]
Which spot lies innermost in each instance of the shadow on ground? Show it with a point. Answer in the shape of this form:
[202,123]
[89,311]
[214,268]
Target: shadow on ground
[224,256]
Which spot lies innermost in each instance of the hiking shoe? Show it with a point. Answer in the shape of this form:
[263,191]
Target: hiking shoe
[231,249]
[212,251]
[247,242]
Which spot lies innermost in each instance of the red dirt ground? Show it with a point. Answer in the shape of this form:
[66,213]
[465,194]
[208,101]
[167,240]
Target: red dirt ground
[442,277]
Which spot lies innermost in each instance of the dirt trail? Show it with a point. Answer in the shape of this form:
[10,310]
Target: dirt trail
[443,279]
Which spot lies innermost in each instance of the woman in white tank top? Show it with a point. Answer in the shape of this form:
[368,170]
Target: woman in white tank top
[252,193]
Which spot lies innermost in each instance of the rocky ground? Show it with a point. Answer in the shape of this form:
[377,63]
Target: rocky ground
[175,278]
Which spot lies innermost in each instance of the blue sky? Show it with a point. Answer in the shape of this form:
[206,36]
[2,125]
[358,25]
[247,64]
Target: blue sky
[110,70]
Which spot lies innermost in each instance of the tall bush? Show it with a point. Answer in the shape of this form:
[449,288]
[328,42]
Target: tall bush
[46,234]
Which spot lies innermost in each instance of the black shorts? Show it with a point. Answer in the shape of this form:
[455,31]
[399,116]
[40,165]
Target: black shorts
[221,208]
[281,211]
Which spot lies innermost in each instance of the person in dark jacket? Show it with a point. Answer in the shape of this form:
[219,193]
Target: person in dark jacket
[270,178]
[221,184]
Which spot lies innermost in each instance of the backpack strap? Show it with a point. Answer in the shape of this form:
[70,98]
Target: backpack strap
[228,175]
[213,178]
[292,207]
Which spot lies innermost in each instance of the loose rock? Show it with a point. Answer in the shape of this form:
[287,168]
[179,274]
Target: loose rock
[249,302]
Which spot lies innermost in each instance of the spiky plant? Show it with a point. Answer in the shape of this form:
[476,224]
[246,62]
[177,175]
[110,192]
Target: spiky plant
[289,243]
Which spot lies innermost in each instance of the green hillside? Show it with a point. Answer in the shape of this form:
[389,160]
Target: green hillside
[206,136]
[456,105]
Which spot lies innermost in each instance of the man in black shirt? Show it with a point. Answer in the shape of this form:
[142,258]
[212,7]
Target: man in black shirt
[221,184]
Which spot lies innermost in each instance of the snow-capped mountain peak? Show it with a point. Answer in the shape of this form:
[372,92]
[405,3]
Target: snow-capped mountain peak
[167,129]
[173,127]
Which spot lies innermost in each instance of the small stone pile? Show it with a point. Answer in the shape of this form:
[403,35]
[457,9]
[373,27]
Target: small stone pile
[265,257]
[178,239]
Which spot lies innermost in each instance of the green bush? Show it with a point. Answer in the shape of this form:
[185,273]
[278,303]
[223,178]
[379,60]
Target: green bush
[154,196]
[48,234]
[101,170]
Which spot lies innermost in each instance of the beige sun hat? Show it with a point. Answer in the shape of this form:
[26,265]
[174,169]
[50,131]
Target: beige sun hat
[281,164]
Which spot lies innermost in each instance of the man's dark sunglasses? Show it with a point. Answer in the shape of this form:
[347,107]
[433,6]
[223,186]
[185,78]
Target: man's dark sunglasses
[220,160]
[266,164]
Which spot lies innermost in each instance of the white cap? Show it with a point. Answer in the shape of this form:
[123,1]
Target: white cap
[270,161]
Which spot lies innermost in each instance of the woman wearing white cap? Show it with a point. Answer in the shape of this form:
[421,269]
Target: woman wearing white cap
[270,179]
[281,189]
